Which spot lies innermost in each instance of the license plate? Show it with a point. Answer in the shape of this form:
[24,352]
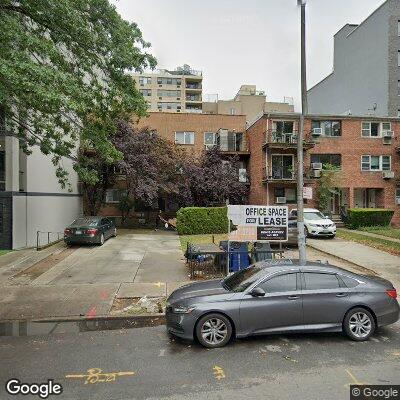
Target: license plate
[325,231]
[78,232]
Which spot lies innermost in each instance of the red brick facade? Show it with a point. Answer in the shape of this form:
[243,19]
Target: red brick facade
[357,188]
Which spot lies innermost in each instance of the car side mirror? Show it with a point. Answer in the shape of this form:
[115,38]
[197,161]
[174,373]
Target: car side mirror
[257,292]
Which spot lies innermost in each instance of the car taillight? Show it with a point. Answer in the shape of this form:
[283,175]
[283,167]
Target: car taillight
[67,232]
[392,293]
[91,231]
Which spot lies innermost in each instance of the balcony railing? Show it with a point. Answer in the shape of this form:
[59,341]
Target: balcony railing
[193,98]
[194,110]
[282,139]
[193,85]
[278,173]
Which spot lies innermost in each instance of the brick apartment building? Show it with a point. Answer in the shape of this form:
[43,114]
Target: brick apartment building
[193,132]
[365,148]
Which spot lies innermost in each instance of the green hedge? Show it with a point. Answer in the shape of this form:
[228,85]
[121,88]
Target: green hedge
[199,220]
[359,217]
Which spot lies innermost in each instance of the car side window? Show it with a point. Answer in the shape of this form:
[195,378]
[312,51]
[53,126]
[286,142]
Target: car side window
[315,281]
[103,221]
[280,283]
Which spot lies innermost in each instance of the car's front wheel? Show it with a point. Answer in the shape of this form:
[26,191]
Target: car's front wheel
[359,324]
[214,330]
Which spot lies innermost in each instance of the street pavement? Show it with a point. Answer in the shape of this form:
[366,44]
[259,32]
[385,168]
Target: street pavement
[85,280]
[148,364]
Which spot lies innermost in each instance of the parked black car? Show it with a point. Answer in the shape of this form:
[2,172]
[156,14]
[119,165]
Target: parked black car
[94,230]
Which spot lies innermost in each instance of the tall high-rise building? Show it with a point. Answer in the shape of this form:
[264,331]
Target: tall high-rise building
[179,90]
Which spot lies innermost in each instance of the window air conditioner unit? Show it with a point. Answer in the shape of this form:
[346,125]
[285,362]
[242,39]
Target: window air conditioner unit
[317,131]
[387,134]
[280,200]
[387,140]
[388,174]
[316,173]
[316,165]
[397,200]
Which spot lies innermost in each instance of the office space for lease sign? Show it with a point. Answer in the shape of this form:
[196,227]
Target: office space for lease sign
[271,222]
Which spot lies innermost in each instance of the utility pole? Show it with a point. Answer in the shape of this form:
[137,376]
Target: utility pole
[300,136]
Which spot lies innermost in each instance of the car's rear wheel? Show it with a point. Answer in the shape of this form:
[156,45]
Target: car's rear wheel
[359,324]
[214,330]
[101,239]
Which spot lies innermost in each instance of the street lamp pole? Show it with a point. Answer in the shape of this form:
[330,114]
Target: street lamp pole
[300,154]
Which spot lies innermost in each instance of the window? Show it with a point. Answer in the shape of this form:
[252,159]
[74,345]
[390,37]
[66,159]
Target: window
[289,193]
[398,58]
[168,106]
[283,126]
[315,281]
[232,111]
[114,195]
[375,163]
[145,92]
[281,283]
[349,282]
[332,159]
[282,166]
[184,137]
[144,80]
[398,195]
[168,93]
[398,113]
[398,88]
[209,139]
[329,128]
[370,129]
[168,81]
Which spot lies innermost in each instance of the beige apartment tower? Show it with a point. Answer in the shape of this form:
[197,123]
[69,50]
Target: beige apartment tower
[248,101]
[179,90]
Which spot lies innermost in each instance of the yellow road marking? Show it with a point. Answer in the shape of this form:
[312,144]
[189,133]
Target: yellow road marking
[96,375]
[354,379]
[219,373]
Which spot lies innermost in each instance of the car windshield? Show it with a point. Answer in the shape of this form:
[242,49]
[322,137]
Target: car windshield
[85,222]
[242,279]
[314,215]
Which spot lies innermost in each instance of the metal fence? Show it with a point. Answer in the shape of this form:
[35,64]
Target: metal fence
[46,238]
[214,264]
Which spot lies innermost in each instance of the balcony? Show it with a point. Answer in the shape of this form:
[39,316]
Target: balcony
[231,142]
[194,110]
[193,99]
[285,140]
[279,174]
[193,86]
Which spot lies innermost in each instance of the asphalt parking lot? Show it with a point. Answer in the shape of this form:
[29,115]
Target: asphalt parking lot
[151,365]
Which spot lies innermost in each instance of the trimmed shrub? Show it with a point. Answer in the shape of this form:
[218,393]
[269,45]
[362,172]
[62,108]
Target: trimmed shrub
[199,220]
[359,217]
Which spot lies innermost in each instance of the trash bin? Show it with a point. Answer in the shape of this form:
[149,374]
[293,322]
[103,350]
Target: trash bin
[262,251]
[239,257]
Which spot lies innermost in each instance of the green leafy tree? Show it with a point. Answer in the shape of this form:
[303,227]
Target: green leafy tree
[63,76]
[327,185]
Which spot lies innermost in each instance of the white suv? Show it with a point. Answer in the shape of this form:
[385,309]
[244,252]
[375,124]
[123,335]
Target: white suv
[316,223]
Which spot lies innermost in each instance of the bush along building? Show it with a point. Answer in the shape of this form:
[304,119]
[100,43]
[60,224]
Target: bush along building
[362,152]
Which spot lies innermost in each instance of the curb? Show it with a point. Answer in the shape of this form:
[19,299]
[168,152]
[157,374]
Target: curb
[358,266]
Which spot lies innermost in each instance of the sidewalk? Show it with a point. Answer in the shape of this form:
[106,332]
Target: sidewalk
[377,261]
[90,281]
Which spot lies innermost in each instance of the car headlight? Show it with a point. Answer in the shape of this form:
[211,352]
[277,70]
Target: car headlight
[179,309]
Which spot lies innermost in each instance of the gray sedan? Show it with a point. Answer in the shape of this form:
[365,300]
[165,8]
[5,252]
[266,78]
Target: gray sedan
[281,296]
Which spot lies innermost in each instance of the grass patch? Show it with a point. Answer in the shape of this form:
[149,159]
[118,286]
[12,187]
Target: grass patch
[208,238]
[377,243]
[2,252]
[383,231]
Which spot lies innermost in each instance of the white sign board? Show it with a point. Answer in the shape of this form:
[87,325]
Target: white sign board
[271,222]
[307,192]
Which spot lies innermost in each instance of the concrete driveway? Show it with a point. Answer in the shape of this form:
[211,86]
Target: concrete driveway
[85,280]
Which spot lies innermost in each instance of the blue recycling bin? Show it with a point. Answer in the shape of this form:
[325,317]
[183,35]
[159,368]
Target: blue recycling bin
[239,257]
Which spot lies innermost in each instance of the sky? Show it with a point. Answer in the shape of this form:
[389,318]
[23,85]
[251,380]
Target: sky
[237,42]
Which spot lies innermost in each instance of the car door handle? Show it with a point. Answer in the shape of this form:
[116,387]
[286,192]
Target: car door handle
[341,295]
[294,297]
